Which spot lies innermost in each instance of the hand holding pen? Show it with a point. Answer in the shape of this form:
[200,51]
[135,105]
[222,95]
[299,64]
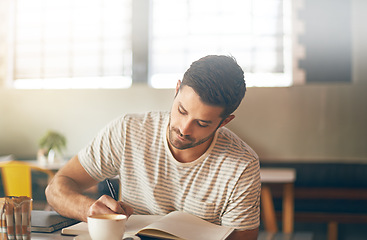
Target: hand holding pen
[127,210]
[109,204]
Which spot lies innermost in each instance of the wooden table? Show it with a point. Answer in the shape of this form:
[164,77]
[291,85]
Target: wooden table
[286,177]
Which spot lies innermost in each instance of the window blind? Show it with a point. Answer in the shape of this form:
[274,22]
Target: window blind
[256,32]
[75,43]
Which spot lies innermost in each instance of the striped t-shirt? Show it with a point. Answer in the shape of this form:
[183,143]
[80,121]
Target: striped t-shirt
[222,186]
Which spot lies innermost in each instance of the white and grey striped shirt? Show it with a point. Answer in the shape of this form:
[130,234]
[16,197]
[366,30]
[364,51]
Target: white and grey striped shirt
[222,186]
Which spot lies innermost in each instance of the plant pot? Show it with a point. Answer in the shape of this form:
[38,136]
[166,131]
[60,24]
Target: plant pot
[51,157]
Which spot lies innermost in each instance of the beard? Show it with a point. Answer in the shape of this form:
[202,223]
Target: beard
[182,142]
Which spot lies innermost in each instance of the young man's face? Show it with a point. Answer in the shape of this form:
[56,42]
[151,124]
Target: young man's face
[192,122]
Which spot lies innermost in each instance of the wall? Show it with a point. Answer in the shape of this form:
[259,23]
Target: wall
[327,40]
[314,122]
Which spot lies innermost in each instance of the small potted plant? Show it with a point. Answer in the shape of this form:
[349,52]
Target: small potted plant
[51,146]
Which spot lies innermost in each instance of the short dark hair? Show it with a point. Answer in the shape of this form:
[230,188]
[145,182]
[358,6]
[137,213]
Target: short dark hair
[218,80]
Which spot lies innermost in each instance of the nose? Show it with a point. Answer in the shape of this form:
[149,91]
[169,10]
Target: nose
[185,128]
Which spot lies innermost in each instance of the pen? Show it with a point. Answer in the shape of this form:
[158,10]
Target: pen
[112,189]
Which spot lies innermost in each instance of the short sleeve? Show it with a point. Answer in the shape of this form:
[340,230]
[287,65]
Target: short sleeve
[102,157]
[243,209]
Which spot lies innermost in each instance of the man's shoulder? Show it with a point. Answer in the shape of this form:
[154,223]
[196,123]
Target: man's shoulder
[138,120]
[153,121]
[236,145]
[146,116]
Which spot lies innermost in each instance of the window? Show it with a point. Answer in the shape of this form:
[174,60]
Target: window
[114,43]
[72,44]
[256,32]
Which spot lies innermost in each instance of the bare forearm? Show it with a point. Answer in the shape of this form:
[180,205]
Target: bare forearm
[65,197]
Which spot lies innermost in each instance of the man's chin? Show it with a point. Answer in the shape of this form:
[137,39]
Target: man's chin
[180,146]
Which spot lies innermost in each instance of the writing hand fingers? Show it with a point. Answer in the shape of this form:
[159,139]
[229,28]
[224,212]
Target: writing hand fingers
[128,210]
[106,205]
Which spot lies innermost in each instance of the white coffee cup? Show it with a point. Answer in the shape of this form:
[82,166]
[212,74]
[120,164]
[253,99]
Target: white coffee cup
[106,226]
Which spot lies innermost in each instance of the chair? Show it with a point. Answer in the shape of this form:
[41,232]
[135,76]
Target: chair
[17,178]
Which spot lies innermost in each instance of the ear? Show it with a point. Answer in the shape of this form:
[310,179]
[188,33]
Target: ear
[227,120]
[178,86]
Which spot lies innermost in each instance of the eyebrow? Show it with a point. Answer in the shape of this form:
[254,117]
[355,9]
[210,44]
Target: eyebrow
[205,121]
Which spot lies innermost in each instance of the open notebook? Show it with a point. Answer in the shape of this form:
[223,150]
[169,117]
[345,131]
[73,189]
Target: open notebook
[49,221]
[175,225]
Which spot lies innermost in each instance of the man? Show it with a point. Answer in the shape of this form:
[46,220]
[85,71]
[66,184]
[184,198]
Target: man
[182,160]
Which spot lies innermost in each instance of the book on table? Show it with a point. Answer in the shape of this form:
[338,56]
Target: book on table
[175,225]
